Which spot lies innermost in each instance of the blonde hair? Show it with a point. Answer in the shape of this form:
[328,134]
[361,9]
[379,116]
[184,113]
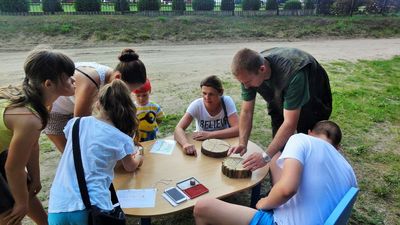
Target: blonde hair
[117,104]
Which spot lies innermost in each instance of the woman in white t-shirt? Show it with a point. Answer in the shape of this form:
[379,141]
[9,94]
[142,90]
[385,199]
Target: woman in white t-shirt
[104,139]
[215,116]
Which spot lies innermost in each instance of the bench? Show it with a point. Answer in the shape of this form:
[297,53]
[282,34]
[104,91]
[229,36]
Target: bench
[341,213]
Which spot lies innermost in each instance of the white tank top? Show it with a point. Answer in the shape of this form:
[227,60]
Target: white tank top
[66,104]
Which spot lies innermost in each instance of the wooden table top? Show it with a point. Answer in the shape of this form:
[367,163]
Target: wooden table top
[164,171]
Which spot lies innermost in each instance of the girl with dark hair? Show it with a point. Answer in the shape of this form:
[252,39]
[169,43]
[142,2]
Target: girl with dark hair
[104,139]
[215,116]
[90,76]
[23,115]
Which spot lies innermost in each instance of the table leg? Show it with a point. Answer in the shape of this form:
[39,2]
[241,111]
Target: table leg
[255,195]
[145,221]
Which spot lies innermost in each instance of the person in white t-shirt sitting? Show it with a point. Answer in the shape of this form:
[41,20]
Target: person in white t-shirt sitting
[310,176]
[215,115]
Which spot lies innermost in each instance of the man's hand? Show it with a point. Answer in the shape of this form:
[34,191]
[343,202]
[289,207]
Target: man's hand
[17,214]
[201,135]
[190,149]
[254,161]
[239,149]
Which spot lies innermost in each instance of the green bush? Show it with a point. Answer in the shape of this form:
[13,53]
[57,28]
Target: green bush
[251,5]
[14,6]
[324,7]
[309,4]
[122,5]
[227,5]
[292,5]
[206,5]
[178,5]
[149,5]
[88,5]
[271,5]
[342,7]
[47,7]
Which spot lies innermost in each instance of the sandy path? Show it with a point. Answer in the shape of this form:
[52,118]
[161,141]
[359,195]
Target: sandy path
[197,60]
[181,67]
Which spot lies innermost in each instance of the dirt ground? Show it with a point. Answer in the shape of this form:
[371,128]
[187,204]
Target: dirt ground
[181,67]
[173,65]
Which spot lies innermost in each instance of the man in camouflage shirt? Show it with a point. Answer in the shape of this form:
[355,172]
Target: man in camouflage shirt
[296,89]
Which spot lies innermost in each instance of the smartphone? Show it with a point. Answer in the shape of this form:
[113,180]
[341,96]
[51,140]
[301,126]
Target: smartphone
[175,194]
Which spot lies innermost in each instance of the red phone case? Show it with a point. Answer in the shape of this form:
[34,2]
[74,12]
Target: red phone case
[195,191]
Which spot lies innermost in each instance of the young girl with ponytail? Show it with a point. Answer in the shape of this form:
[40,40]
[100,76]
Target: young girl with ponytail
[90,76]
[104,139]
[23,115]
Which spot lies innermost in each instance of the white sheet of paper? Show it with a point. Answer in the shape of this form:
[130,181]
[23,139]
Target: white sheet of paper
[163,147]
[137,198]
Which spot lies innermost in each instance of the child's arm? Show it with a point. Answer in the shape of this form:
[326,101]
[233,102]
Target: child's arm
[180,135]
[132,162]
[160,115]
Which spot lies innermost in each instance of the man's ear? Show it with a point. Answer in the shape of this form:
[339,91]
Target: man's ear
[221,92]
[310,132]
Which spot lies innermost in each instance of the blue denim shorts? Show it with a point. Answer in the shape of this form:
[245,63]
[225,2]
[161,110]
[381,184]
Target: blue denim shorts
[263,218]
[79,217]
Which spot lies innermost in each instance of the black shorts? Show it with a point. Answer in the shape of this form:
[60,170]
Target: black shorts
[7,201]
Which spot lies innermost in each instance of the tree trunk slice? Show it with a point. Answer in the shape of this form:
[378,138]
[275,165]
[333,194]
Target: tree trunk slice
[232,167]
[215,148]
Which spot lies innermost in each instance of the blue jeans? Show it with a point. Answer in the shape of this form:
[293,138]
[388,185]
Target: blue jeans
[79,217]
[263,218]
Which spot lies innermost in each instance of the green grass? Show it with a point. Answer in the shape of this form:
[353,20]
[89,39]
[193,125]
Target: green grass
[59,29]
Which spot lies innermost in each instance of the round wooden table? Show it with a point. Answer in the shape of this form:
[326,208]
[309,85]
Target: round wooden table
[163,171]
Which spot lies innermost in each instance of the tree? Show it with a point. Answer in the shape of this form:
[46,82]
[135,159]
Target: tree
[14,6]
[227,5]
[88,5]
[324,7]
[178,5]
[52,6]
[251,5]
[122,5]
[207,5]
[149,5]
[271,5]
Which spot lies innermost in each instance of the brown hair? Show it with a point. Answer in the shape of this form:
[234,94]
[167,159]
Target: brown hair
[330,129]
[42,65]
[116,102]
[247,60]
[131,68]
[214,82]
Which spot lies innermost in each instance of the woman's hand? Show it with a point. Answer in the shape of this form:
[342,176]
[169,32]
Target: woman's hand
[201,135]
[190,149]
[34,186]
[16,215]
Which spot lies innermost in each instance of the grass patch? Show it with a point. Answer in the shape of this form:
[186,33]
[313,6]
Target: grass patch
[135,28]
